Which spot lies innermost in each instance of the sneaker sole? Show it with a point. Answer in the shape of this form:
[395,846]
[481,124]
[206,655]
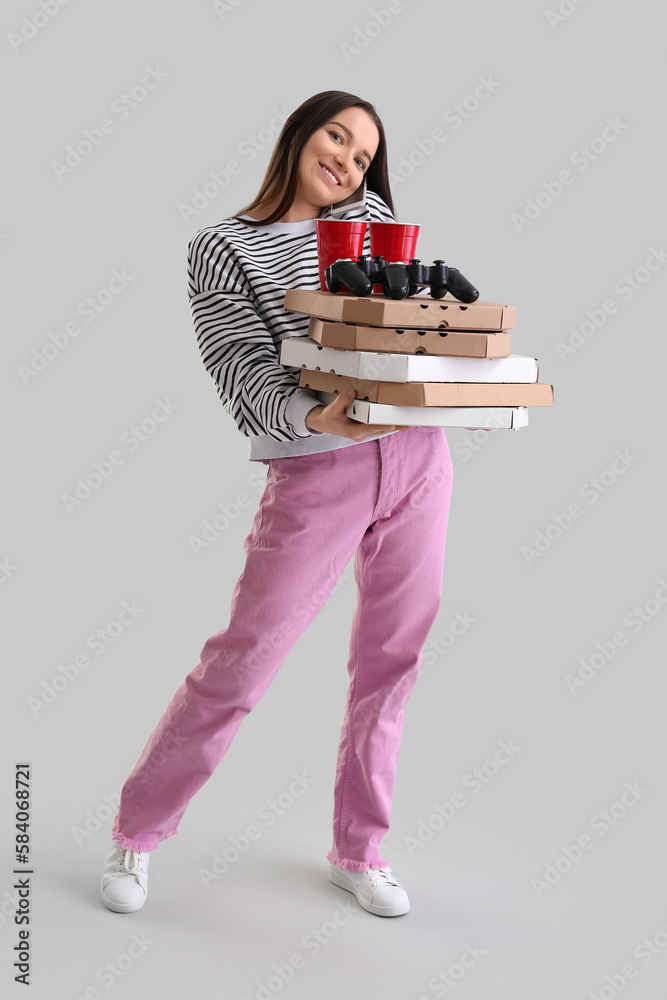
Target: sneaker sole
[121,907]
[379,911]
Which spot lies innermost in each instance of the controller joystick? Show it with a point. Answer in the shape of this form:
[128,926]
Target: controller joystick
[460,287]
[399,280]
[442,278]
[345,273]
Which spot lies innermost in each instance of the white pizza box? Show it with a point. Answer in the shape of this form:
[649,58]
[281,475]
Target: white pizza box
[304,352]
[468,417]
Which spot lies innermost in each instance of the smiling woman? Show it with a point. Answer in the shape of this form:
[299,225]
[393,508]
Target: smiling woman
[334,487]
[327,148]
[335,156]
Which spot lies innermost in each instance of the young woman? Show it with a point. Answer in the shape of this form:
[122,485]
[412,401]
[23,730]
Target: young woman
[334,488]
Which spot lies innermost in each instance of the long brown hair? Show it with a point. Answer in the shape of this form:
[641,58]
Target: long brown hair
[280,180]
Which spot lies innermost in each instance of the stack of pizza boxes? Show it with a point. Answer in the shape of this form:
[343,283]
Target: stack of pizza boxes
[417,361]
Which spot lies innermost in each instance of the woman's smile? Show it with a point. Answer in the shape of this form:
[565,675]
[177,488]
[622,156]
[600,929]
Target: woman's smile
[330,175]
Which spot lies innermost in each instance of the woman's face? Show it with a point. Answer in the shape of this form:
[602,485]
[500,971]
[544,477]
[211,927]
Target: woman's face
[336,157]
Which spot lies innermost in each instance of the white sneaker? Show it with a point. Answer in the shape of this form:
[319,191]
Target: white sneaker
[124,885]
[376,889]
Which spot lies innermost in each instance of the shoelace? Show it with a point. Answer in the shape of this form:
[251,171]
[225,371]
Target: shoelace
[383,876]
[131,861]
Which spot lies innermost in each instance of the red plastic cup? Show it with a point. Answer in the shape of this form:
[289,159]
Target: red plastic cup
[393,241]
[338,239]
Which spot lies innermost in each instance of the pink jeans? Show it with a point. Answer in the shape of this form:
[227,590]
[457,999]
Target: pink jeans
[386,501]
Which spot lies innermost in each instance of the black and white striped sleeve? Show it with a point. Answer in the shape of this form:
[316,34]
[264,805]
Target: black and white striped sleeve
[377,209]
[236,346]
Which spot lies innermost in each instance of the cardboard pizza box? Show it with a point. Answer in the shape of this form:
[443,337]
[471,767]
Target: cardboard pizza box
[302,352]
[418,311]
[432,393]
[440,343]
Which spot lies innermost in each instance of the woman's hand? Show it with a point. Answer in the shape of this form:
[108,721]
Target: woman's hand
[332,419]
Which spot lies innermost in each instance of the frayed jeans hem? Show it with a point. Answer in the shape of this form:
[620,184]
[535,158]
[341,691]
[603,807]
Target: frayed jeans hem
[354,866]
[136,845]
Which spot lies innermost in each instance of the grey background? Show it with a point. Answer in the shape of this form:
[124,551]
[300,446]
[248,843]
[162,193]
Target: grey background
[67,574]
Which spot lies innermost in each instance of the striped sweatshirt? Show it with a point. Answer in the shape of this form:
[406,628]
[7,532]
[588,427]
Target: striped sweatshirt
[237,279]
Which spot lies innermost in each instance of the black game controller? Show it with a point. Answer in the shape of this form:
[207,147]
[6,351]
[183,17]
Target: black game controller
[442,278]
[360,276]
[398,280]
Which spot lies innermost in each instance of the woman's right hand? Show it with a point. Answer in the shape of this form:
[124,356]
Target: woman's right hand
[332,419]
